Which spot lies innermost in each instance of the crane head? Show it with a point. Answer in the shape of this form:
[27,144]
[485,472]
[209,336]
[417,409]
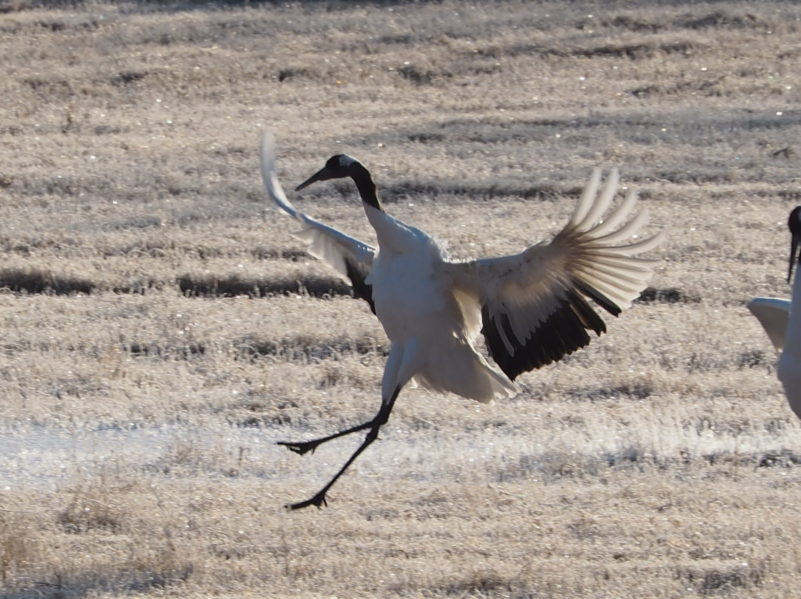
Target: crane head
[336,167]
[794,224]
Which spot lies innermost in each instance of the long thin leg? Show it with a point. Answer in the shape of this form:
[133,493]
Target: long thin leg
[390,383]
[302,447]
[381,418]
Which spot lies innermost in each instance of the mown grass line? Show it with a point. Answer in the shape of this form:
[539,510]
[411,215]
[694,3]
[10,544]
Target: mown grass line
[236,285]
[300,348]
[34,281]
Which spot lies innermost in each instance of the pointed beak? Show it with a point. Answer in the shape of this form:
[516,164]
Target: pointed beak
[322,175]
[794,257]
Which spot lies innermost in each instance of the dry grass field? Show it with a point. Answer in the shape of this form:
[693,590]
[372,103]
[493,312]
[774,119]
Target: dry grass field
[161,328]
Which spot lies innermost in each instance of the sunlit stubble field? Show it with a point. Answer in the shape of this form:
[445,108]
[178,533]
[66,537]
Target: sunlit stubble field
[161,328]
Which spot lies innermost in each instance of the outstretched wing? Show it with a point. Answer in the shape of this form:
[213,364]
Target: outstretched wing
[350,258]
[774,314]
[534,307]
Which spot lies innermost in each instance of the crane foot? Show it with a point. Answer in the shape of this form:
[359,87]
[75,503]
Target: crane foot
[318,501]
[300,447]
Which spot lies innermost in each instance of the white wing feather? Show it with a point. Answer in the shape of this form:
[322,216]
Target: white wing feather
[342,252]
[533,304]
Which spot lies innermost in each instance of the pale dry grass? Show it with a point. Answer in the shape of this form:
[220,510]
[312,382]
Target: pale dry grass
[162,328]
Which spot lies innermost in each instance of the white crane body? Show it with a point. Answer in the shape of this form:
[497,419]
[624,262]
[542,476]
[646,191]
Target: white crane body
[773,314]
[781,320]
[427,326]
[789,370]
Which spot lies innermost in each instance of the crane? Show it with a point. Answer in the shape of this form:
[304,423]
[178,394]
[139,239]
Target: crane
[531,307]
[781,320]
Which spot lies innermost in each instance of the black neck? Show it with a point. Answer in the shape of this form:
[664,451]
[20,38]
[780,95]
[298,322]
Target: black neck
[367,189]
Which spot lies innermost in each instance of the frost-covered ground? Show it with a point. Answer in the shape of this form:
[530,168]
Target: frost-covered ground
[161,328]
